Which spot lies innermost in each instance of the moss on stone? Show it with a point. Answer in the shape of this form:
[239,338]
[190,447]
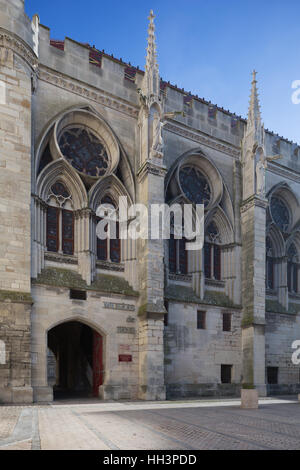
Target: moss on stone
[294,308]
[187,295]
[113,284]
[248,386]
[273,306]
[15,297]
[151,307]
[60,277]
[217,298]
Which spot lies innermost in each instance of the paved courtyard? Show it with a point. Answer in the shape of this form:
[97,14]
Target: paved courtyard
[181,425]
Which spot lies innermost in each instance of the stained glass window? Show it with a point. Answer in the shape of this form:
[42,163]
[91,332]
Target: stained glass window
[280,213]
[59,189]
[292,269]
[84,151]
[110,248]
[207,260]
[182,256]
[172,254]
[115,247]
[101,247]
[58,217]
[178,260]
[67,232]
[52,228]
[212,253]
[269,264]
[194,185]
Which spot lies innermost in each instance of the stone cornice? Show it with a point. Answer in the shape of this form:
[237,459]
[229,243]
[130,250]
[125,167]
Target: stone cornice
[17,45]
[254,201]
[284,172]
[152,168]
[201,138]
[87,91]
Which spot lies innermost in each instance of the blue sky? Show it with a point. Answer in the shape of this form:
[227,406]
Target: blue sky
[206,47]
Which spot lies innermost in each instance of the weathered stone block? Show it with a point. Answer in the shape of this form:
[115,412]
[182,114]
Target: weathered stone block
[249,398]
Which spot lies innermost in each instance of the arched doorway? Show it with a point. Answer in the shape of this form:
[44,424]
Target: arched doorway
[75,360]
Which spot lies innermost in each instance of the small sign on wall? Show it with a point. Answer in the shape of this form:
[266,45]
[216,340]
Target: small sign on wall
[125,353]
[125,358]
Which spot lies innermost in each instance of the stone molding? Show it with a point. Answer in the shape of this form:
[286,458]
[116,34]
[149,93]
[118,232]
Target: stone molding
[254,201]
[203,139]
[284,172]
[109,266]
[86,91]
[180,277]
[152,168]
[215,283]
[60,258]
[17,45]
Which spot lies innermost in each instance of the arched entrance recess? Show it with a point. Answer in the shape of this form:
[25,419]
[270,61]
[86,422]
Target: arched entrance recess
[75,360]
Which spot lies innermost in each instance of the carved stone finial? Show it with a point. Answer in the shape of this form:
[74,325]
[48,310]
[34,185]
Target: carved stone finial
[254,117]
[151,78]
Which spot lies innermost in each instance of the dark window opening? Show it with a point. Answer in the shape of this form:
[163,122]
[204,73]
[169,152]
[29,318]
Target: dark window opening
[212,253]
[52,229]
[67,232]
[110,248]
[226,321]
[178,258]
[172,254]
[77,294]
[226,373]
[201,320]
[269,264]
[272,375]
[292,270]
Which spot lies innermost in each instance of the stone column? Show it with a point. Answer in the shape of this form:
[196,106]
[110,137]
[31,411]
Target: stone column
[253,219]
[17,67]
[151,276]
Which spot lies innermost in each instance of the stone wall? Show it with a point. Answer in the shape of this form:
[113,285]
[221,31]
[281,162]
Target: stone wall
[281,331]
[102,312]
[15,366]
[193,357]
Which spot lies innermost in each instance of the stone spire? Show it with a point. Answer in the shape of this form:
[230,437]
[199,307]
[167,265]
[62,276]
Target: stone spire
[151,77]
[254,124]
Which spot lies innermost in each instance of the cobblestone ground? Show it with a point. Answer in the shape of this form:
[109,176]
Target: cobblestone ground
[190,425]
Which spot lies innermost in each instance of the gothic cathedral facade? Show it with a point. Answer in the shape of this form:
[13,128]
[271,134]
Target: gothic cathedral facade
[137,319]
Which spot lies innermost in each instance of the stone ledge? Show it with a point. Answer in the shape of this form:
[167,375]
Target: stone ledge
[59,277]
[186,294]
[202,390]
[15,297]
[273,306]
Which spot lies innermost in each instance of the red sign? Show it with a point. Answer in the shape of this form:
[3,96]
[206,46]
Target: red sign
[125,358]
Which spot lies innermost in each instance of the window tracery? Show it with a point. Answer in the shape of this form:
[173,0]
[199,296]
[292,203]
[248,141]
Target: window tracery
[194,185]
[84,151]
[212,252]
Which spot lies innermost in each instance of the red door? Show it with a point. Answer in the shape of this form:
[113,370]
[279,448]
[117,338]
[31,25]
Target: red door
[97,363]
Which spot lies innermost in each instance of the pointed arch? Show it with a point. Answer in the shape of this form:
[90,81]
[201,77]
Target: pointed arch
[79,319]
[284,192]
[205,165]
[223,223]
[109,185]
[60,170]
[292,254]
[277,240]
